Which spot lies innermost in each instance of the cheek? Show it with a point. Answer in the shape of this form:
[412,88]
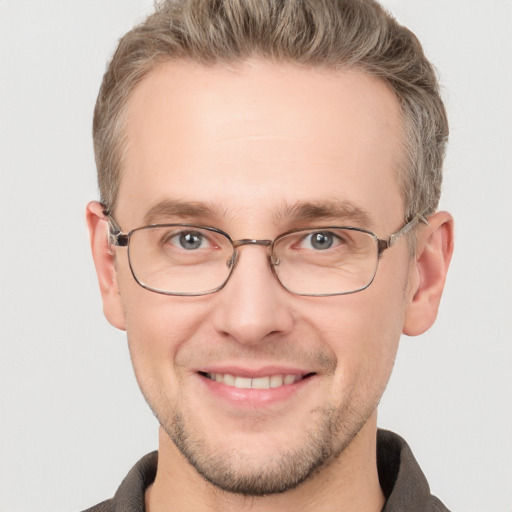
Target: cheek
[157,327]
[363,330]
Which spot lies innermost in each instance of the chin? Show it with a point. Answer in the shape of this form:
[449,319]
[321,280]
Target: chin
[268,463]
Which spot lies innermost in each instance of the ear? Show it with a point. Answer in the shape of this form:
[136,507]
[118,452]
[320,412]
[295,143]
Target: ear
[428,274]
[105,264]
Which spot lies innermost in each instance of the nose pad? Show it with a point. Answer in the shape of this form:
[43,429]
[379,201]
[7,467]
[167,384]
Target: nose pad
[231,262]
[274,262]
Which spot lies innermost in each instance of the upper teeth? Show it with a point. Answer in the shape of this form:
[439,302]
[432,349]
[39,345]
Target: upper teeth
[272,381]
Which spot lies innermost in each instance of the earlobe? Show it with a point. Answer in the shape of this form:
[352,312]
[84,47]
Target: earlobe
[428,275]
[104,263]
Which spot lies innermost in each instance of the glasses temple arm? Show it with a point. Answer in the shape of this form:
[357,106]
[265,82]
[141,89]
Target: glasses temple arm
[389,242]
[115,233]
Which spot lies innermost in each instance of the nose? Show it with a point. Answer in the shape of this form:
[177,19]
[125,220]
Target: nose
[253,305]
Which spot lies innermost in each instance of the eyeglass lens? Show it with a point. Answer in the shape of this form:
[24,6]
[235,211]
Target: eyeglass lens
[190,260]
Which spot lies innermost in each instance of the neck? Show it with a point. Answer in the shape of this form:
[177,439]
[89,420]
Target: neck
[350,483]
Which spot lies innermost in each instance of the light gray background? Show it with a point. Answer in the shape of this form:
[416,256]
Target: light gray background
[72,419]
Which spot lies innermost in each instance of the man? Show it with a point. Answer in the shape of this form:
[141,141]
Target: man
[269,176]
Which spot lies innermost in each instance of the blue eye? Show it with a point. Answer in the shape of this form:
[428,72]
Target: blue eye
[188,240]
[320,241]
[191,240]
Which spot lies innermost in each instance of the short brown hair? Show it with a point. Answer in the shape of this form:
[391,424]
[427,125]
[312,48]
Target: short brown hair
[333,34]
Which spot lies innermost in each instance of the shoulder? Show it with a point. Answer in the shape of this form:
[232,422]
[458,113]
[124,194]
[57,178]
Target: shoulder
[129,497]
[402,480]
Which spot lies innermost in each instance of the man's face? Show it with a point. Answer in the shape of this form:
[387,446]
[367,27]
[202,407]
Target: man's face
[257,146]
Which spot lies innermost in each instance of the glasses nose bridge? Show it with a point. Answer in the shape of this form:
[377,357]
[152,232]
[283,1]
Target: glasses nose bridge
[248,241]
[251,241]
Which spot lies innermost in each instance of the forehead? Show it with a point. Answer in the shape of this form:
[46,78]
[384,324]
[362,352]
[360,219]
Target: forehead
[260,136]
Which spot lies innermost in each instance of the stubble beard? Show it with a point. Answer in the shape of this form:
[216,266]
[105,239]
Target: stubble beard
[283,471]
[235,469]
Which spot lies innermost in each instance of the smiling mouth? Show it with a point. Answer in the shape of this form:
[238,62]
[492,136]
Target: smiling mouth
[266,382]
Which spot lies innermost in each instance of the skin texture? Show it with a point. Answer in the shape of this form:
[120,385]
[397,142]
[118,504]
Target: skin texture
[250,143]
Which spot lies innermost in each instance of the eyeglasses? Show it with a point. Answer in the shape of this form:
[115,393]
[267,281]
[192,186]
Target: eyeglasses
[190,260]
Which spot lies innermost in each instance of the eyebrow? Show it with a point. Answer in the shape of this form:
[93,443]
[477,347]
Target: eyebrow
[177,208]
[299,212]
[333,209]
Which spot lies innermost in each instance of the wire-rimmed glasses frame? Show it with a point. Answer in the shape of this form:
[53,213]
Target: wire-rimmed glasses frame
[121,239]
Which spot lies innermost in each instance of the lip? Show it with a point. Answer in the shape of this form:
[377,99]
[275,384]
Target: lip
[250,397]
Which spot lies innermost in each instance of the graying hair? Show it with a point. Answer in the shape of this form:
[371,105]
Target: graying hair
[332,34]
